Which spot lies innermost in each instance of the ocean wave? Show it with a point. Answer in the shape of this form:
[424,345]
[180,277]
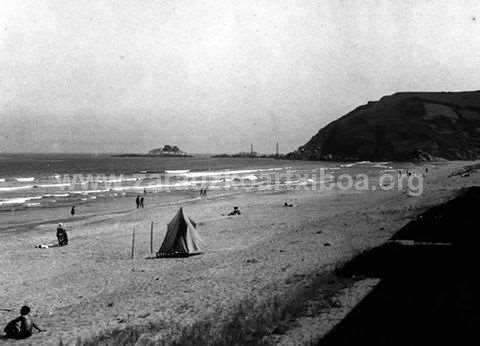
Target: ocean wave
[14,188]
[115,180]
[177,171]
[87,192]
[24,180]
[55,195]
[155,186]
[247,177]
[52,185]
[375,164]
[215,173]
[233,172]
[250,177]
[32,204]
[18,200]
[2,180]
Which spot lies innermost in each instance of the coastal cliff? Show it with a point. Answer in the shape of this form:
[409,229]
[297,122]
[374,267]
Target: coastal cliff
[402,127]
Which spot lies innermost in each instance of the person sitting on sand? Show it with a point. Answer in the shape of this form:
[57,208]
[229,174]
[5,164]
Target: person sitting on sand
[62,235]
[287,205]
[22,326]
[235,211]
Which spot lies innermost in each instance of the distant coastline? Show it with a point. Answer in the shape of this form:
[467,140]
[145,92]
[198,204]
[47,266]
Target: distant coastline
[250,156]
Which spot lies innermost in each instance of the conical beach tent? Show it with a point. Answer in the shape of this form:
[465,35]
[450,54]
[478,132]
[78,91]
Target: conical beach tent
[182,239]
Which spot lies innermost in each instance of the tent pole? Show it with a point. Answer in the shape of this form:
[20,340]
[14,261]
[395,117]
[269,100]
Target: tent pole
[151,238]
[133,242]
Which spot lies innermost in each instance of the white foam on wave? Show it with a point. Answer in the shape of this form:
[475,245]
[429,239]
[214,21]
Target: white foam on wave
[382,165]
[23,180]
[227,172]
[216,173]
[87,192]
[56,195]
[250,177]
[2,180]
[14,188]
[155,186]
[115,180]
[177,171]
[361,163]
[32,204]
[52,185]
[18,200]
[108,181]
[246,177]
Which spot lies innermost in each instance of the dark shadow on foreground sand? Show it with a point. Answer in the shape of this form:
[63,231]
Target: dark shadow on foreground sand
[429,293]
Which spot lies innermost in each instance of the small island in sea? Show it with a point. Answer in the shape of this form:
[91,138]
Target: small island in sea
[167,151]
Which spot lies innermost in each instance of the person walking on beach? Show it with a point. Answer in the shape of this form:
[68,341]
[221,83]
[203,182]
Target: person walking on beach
[72,212]
[141,202]
[22,326]
[138,202]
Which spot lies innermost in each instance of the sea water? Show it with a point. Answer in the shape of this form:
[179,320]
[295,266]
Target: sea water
[46,180]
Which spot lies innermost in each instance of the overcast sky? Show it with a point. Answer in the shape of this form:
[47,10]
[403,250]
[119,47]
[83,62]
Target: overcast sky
[215,76]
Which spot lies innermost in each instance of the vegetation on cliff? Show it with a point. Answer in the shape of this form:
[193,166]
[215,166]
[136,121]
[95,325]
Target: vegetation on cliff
[401,127]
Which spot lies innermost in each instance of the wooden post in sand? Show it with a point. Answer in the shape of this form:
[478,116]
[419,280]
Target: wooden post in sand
[133,242]
[151,238]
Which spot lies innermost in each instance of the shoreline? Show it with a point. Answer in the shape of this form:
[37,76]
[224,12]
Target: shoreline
[258,255]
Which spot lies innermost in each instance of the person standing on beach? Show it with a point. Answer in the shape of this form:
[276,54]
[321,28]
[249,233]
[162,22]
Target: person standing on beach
[141,202]
[72,212]
[138,202]
[62,235]
[21,327]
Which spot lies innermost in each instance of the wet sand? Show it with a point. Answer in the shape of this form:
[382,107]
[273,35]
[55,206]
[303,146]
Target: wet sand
[92,287]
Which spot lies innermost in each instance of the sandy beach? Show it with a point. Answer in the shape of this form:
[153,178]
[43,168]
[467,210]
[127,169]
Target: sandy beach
[92,291]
